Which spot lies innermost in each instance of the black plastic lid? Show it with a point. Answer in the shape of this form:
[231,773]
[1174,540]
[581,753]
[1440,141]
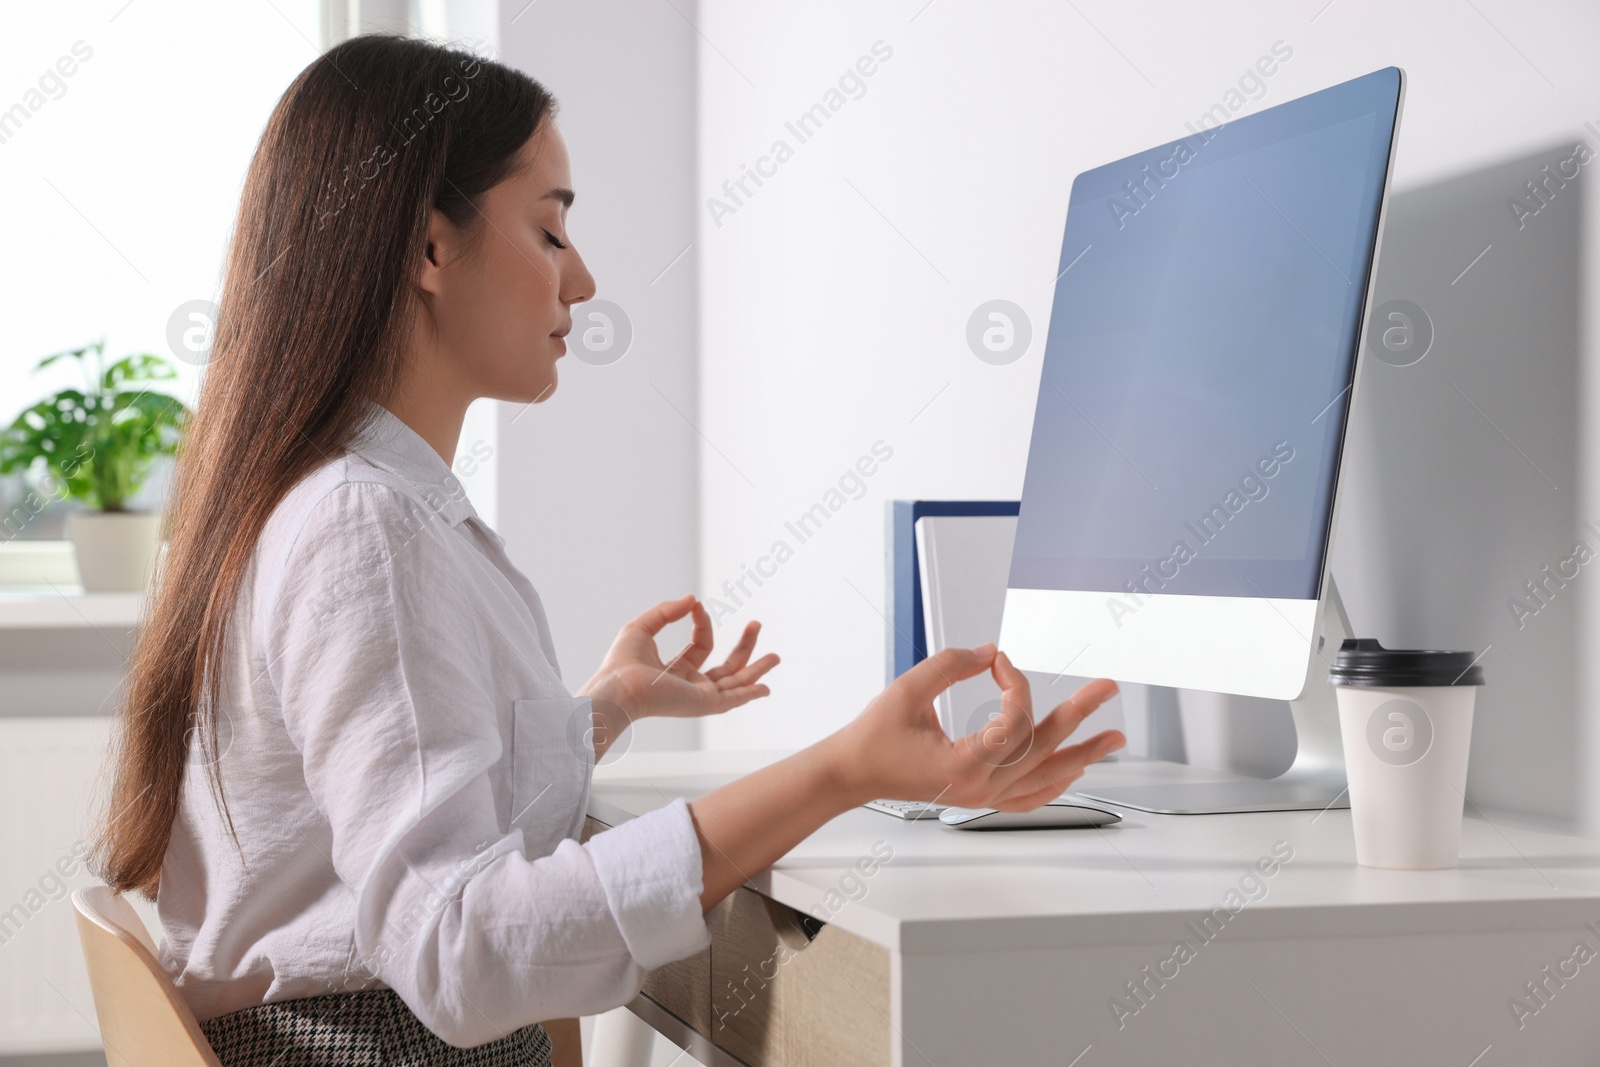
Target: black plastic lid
[1362,661]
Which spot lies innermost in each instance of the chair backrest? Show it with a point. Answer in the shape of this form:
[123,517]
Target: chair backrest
[143,1020]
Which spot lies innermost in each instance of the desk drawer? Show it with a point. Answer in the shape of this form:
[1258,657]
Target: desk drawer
[773,996]
[782,999]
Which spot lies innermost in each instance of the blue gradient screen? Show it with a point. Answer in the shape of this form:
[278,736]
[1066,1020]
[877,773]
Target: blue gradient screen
[1201,349]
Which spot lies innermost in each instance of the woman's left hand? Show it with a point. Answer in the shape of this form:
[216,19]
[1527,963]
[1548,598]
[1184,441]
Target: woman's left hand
[634,680]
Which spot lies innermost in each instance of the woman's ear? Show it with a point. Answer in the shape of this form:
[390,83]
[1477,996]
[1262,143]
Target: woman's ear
[441,247]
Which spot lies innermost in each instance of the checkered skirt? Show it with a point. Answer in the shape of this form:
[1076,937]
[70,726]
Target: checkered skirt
[370,1028]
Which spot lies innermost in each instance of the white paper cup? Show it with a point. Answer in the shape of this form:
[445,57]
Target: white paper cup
[1405,751]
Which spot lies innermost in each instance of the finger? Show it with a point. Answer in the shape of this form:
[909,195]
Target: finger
[728,699]
[1061,722]
[940,671]
[749,674]
[1013,684]
[700,643]
[1065,763]
[1007,738]
[1097,747]
[1004,740]
[1068,715]
[668,611]
[1043,795]
[740,654]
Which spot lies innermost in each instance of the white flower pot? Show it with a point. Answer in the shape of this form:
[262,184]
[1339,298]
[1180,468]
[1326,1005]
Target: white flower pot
[116,550]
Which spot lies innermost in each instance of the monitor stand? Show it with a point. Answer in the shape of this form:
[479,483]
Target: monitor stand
[1314,781]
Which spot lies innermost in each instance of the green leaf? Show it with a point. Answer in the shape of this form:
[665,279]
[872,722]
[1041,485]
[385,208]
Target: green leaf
[138,368]
[75,353]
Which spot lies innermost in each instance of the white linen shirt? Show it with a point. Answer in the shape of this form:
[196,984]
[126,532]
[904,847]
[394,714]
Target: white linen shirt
[407,775]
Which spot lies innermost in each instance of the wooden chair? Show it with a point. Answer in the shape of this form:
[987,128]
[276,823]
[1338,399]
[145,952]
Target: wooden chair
[143,1020]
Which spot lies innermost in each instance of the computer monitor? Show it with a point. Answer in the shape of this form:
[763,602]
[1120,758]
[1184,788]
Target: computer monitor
[1182,479]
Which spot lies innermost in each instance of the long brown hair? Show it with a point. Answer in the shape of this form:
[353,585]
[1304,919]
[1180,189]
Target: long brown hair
[318,298]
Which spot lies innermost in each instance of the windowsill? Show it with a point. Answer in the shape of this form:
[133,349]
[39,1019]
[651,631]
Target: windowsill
[37,565]
[67,607]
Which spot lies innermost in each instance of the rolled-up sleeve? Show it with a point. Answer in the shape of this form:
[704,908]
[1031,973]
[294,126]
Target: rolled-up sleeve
[470,900]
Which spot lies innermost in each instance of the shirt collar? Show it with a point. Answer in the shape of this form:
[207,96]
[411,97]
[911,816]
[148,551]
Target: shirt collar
[388,443]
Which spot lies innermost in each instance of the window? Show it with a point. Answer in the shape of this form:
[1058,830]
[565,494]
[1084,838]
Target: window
[125,133]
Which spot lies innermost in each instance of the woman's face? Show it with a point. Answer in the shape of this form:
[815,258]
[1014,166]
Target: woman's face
[501,304]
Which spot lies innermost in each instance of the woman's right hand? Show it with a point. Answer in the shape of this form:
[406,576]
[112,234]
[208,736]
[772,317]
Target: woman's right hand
[896,748]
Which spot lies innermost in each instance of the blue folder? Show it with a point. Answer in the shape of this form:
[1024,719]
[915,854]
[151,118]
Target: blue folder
[907,637]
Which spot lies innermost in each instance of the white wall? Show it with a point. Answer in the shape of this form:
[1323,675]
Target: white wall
[1464,469]
[597,493]
[835,298]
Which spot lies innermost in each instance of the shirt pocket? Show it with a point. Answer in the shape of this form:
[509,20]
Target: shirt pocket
[551,763]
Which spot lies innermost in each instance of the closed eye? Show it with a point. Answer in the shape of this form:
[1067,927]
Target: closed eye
[554,239]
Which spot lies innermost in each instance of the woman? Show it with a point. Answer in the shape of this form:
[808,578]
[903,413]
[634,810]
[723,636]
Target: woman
[349,772]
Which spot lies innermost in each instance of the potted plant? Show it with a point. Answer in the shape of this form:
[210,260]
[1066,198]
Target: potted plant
[98,445]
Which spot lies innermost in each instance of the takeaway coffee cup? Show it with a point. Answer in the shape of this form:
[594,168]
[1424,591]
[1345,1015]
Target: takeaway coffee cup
[1406,720]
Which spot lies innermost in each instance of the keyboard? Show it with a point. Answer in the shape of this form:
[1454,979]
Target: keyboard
[907,809]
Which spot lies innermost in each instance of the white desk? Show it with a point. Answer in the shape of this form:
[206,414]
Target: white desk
[1011,948]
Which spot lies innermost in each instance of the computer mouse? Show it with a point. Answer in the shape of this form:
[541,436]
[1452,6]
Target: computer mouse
[1057,814]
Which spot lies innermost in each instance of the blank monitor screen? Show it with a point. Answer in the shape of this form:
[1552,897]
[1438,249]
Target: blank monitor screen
[1201,347]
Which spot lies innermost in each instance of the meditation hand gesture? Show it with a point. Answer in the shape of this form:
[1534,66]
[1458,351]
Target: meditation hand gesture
[633,682]
[896,747]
